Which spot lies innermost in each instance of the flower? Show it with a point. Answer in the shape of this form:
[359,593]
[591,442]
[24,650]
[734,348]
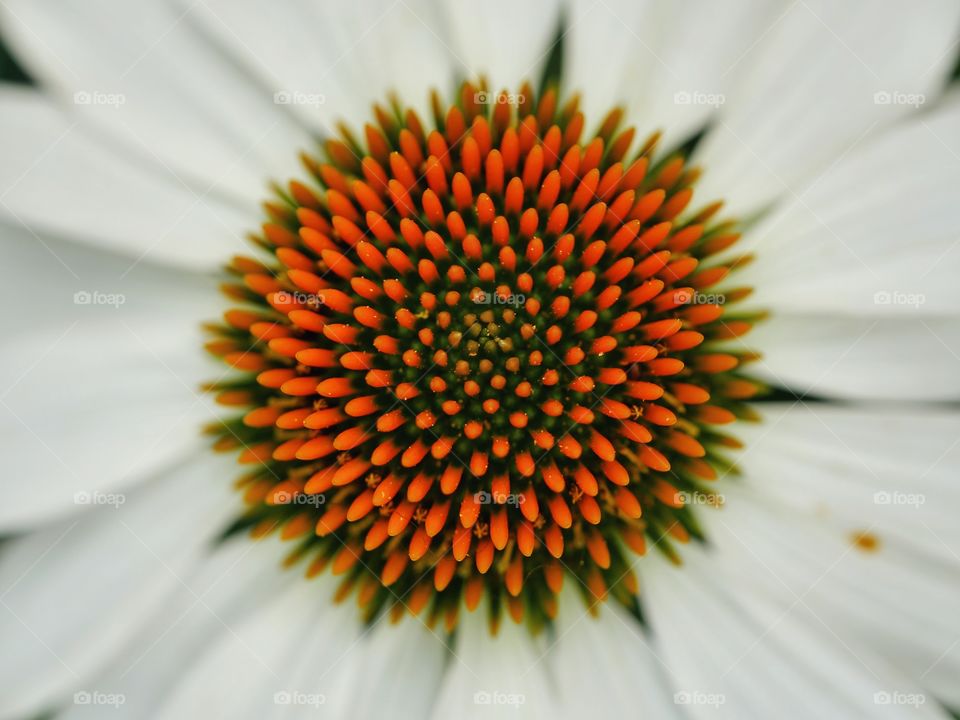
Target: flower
[820,580]
[511,376]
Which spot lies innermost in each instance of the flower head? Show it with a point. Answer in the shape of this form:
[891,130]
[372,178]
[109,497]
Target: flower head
[489,349]
[483,357]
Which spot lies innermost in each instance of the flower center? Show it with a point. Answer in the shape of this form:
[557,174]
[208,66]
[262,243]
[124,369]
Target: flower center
[481,357]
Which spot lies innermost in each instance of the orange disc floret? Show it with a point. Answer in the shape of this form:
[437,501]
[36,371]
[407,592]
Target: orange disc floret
[480,357]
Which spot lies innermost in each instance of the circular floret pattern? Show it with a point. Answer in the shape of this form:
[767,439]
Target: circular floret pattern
[481,356]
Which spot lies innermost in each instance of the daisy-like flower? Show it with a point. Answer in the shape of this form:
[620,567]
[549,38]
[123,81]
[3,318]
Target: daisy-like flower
[586,358]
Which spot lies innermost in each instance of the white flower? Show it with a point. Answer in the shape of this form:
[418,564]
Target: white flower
[828,582]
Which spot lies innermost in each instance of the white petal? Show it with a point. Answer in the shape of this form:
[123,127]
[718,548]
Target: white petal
[253,669]
[236,581]
[56,179]
[334,61]
[507,42]
[613,51]
[398,671]
[670,63]
[859,358]
[606,666]
[860,271]
[73,594]
[495,677]
[700,45]
[102,365]
[810,92]
[880,227]
[736,652]
[815,477]
[890,448]
[160,88]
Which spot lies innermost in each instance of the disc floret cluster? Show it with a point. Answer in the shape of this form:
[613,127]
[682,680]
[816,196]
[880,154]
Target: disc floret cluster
[483,355]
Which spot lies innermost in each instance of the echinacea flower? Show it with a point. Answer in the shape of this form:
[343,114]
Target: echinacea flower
[602,367]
